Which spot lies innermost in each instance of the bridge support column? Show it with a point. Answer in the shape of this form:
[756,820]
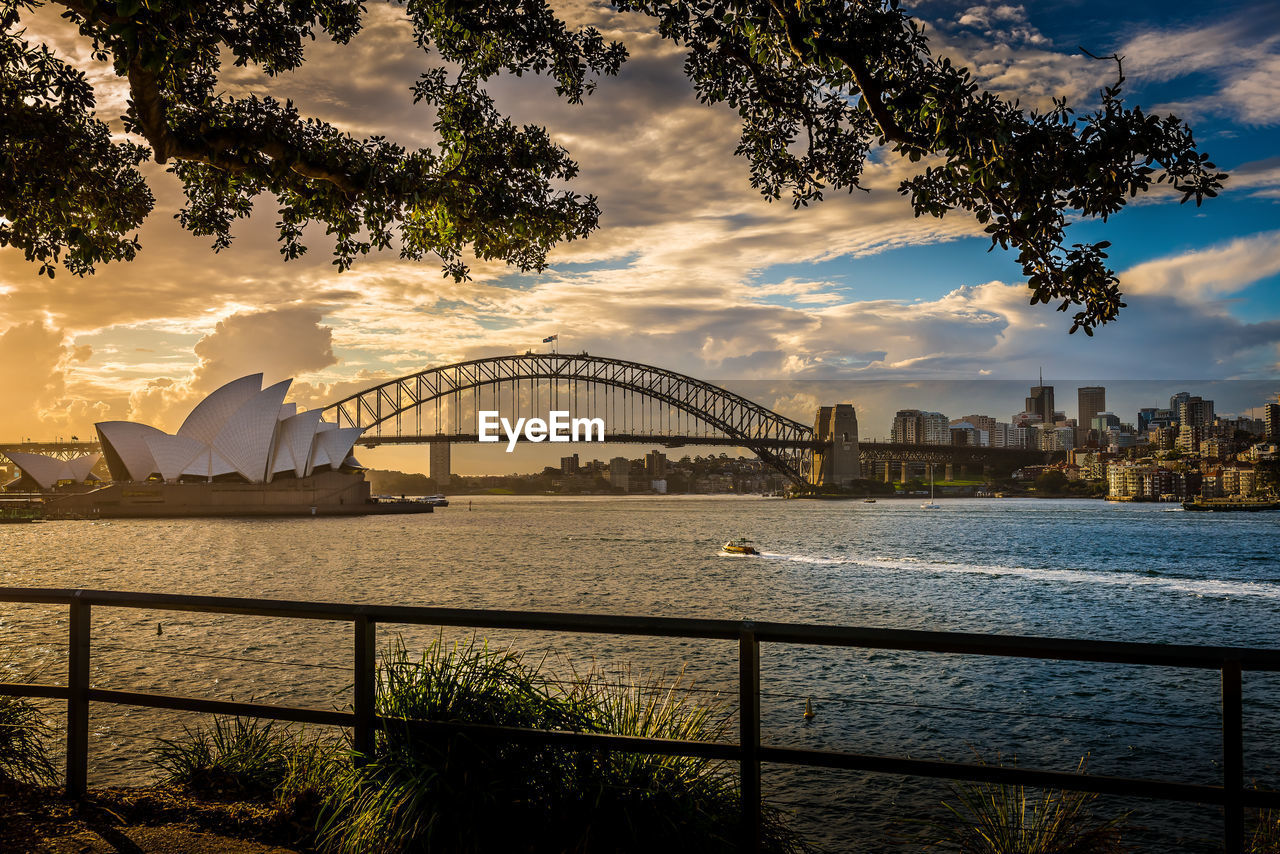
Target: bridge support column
[888,468]
[839,463]
[439,469]
[986,472]
[950,472]
[905,472]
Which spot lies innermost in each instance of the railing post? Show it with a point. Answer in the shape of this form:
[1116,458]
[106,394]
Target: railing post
[749,734]
[366,645]
[78,700]
[1232,758]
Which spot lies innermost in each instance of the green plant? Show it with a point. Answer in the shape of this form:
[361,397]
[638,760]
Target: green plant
[989,818]
[244,757]
[1265,838]
[424,789]
[647,802]
[24,756]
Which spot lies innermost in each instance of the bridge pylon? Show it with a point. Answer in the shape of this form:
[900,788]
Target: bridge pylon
[838,463]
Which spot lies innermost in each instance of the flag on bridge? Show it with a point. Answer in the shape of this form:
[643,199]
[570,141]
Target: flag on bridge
[551,338]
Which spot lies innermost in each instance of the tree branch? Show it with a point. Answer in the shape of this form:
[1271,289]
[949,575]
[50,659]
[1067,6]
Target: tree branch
[872,91]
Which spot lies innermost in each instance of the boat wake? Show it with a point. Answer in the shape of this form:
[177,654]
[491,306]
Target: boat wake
[1149,580]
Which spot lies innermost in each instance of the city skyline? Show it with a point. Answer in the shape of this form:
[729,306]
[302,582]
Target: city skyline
[876,404]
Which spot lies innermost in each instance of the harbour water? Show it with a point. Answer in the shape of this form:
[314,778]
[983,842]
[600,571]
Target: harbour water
[1085,569]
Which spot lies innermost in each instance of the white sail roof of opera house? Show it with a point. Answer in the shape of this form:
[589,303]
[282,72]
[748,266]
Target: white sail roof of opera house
[48,471]
[240,429]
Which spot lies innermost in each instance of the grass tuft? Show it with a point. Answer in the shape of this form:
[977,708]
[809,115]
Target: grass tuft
[1265,838]
[988,818]
[423,790]
[24,755]
[247,758]
[644,802]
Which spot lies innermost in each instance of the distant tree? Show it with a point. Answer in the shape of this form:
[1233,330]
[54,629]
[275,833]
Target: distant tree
[817,84]
[1051,483]
[1269,475]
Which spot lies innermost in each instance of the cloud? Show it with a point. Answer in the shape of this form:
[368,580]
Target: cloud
[1240,54]
[282,343]
[1202,274]
[1260,177]
[1003,23]
[33,384]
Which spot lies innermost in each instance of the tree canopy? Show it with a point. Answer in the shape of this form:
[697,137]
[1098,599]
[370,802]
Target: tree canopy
[818,86]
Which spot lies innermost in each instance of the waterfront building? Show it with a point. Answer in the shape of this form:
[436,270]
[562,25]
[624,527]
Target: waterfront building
[1091,462]
[1271,422]
[38,472]
[620,473]
[242,451]
[916,427]
[655,465]
[241,432]
[438,461]
[1145,481]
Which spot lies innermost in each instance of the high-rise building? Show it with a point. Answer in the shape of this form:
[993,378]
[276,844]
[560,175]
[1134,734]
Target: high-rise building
[1103,421]
[620,473]
[1175,402]
[655,465]
[1090,400]
[438,464]
[1041,402]
[1055,438]
[569,465]
[1271,421]
[1145,417]
[982,422]
[1195,416]
[914,427]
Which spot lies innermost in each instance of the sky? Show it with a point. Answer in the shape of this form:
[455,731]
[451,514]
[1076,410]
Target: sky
[850,300]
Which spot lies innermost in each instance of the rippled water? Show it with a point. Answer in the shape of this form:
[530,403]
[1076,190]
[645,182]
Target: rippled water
[1063,568]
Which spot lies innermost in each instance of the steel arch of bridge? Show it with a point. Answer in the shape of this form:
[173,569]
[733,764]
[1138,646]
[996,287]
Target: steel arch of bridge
[784,444]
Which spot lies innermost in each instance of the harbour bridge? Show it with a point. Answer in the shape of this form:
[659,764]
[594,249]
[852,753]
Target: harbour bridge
[639,404]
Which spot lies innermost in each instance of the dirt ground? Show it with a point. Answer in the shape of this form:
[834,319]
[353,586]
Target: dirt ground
[154,820]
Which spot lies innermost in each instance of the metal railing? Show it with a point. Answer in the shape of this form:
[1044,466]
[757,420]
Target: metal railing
[748,752]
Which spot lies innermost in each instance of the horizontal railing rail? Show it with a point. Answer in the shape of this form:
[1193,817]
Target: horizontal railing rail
[748,751]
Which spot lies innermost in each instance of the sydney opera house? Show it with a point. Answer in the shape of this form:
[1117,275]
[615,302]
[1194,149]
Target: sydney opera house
[241,451]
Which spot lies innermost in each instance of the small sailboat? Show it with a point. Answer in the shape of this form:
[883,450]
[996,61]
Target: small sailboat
[739,546]
[930,505]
